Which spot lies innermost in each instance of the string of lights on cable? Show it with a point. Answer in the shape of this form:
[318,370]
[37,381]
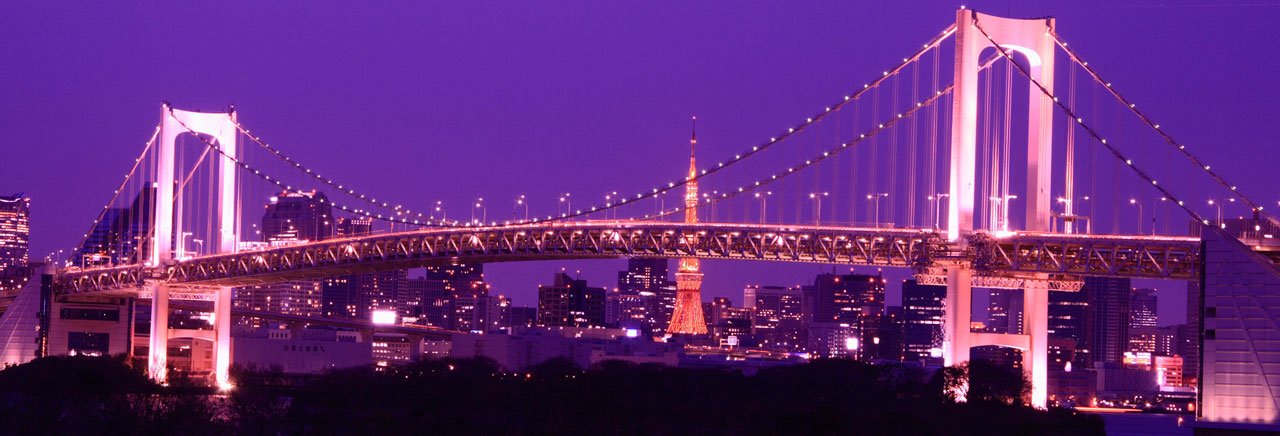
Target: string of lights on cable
[287,187]
[137,162]
[1168,139]
[1087,128]
[879,127]
[400,212]
[711,169]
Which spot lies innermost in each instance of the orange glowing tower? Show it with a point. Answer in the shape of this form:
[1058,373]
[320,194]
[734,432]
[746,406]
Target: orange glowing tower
[687,318]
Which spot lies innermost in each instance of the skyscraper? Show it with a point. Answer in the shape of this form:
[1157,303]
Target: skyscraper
[290,217]
[687,318]
[1144,336]
[1068,321]
[778,316]
[297,216]
[645,297]
[922,309]
[120,234]
[854,300]
[1004,311]
[1108,316]
[15,234]
[570,303]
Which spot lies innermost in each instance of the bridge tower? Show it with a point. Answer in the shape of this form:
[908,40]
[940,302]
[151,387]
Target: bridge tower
[1033,39]
[164,249]
[688,318]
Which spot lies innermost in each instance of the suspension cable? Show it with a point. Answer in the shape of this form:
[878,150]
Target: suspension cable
[1080,121]
[287,187]
[750,187]
[625,200]
[116,195]
[1168,139]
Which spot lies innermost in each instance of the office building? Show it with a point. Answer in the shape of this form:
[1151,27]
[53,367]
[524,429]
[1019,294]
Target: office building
[1108,315]
[645,297]
[15,240]
[922,315]
[293,216]
[777,316]
[119,235]
[570,303]
[855,300]
[1069,320]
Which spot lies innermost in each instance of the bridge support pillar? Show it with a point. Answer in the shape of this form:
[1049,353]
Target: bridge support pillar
[956,333]
[1035,323]
[158,349]
[222,338]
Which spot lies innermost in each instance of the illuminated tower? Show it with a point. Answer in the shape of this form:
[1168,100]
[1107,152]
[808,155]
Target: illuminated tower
[687,318]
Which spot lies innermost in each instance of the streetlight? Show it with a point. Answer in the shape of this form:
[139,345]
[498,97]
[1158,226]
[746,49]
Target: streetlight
[877,198]
[817,196]
[183,242]
[567,199]
[1164,212]
[1219,206]
[1001,222]
[937,208]
[484,212]
[608,203]
[1136,203]
[764,201]
[444,215]
[520,202]
[199,245]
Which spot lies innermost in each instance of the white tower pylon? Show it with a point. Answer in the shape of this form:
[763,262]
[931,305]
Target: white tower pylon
[164,248]
[1032,38]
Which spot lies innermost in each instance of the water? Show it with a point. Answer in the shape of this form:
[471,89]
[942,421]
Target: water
[1125,424]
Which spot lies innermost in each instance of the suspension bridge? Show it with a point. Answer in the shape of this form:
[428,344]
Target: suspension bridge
[980,160]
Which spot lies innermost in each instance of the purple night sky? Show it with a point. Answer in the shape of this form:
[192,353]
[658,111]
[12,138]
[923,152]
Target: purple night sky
[450,101]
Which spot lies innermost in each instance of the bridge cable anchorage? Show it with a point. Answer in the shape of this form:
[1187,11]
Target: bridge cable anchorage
[893,120]
[1168,139]
[807,122]
[121,188]
[1092,133]
[280,184]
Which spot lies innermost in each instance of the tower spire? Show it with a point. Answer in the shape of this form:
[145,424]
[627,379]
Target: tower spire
[693,146]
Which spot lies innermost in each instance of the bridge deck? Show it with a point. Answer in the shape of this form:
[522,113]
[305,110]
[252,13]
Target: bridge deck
[994,254]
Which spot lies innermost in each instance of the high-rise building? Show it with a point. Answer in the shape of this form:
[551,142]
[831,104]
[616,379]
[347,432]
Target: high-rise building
[290,217]
[1068,320]
[15,237]
[855,300]
[570,303]
[645,298]
[777,316]
[1108,317]
[1142,308]
[120,235]
[1004,311]
[357,295]
[1144,336]
[297,216]
[687,317]
[922,309]
[522,317]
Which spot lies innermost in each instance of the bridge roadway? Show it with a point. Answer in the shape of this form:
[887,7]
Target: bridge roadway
[1064,256]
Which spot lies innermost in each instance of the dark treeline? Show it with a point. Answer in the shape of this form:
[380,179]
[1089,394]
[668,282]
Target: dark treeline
[80,395]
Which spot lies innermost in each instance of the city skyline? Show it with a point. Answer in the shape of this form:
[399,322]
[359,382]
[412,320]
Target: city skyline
[1055,210]
[691,45]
